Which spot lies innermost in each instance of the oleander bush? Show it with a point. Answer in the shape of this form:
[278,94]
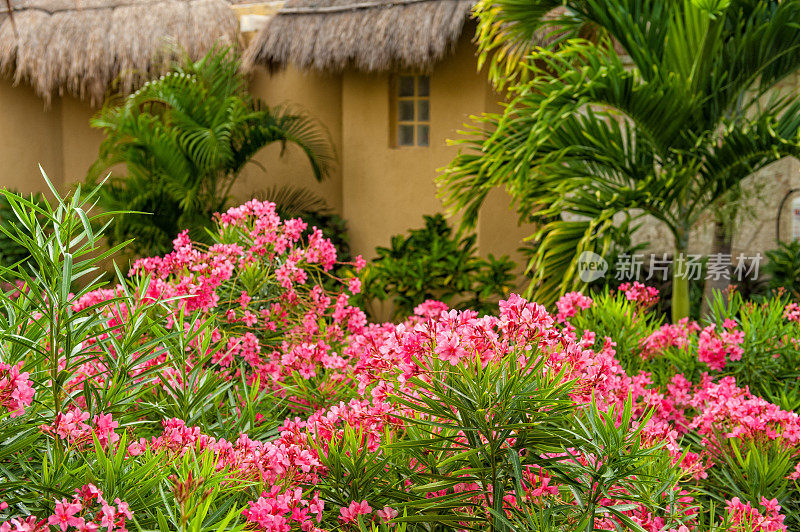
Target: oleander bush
[221,387]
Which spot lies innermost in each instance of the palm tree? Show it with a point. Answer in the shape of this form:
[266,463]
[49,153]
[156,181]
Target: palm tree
[668,106]
[184,139]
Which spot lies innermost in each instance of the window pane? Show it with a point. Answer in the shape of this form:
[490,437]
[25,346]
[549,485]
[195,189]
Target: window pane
[423,134]
[423,87]
[423,111]
[405,110]
[405,136]
[405,86]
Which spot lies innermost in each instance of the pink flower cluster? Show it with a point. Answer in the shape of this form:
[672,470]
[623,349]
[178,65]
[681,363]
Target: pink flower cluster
[277,511]
[349,514]
[87,511]
[570,303]
[724,407]
[713,348]
[744,517]
[637,292]
[276,462]
[669,335]
[71,427]
[792,312]
[284,325]
[15,389]
[389,356]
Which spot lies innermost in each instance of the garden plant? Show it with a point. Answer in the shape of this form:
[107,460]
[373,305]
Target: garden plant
[434,263]
[221,387]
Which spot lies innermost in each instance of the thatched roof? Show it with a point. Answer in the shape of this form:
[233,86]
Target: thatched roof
[80,46]
[369,35]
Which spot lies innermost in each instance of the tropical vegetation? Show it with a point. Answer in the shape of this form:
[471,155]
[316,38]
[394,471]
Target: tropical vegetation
[433,263]
[636,108]
[184,140]
[231,379]
[222,387]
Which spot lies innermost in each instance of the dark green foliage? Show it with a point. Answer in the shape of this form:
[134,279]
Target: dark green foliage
[783,268]
[184,139]
[11,251]
[433,263]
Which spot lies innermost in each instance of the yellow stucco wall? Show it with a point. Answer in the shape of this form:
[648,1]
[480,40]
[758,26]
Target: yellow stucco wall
[31,135]
[379,189]
[80,142]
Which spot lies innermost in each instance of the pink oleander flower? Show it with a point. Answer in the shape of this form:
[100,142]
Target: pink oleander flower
[16,391]
[64,515]
[639,293]
[792,312]
[746,517]
[71,427]
[278,510]
[570,303]
[354,285]
[351,513]
[386,514]
[714,348]
[360,263]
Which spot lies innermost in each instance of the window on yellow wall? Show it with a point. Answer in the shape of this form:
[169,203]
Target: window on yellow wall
[411,110]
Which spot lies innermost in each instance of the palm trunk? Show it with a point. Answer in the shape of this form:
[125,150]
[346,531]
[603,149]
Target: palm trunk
[722,244]
[680,279]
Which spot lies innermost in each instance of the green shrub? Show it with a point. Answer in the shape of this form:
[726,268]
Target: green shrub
[613,316]
[433,263]
[783,268]
[770,362]
[11,250]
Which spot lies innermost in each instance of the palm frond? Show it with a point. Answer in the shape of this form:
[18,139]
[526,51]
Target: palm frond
[184,139]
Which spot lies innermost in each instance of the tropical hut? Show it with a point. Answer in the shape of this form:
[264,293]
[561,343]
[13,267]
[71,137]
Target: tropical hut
[393,80]
[61,57]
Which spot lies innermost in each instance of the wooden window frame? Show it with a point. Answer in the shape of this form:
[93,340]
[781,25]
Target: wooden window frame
[394,110]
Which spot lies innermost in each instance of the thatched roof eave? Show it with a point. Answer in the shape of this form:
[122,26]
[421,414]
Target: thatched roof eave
[369,35]
[83,47]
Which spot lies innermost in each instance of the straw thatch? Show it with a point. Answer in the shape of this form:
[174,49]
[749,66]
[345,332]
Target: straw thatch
[371,35]
[80,47]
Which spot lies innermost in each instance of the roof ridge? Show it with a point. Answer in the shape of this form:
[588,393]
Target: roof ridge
[50,11]
[349,7]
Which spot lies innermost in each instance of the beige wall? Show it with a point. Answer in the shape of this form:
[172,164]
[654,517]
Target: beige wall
[320,95]
[79,141]
[30,136]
